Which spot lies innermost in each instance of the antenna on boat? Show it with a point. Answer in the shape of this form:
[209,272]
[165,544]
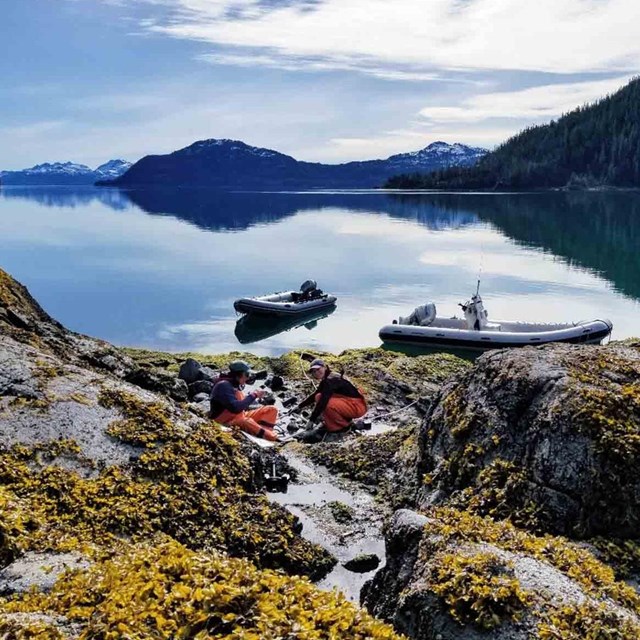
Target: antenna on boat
[480,268]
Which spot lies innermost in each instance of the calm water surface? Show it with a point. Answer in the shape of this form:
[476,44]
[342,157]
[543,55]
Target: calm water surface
[160,269]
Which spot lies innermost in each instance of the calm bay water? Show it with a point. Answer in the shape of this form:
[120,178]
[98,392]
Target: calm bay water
[160,269]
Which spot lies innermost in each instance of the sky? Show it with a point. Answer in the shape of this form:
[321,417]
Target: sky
[321,80]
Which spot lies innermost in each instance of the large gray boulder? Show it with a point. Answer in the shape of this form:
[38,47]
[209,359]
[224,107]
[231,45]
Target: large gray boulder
[453,576]
[160,382]
[190,371]
[547,437]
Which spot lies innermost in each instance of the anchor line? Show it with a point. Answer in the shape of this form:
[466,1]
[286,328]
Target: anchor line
[390,413]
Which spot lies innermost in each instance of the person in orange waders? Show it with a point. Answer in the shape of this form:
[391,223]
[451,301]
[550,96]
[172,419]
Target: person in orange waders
[338,401]
[229,405]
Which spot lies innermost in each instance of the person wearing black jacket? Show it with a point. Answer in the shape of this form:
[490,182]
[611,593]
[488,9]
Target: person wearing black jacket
[337,400]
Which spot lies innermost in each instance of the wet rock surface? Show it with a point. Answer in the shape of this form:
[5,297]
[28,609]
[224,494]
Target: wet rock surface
[363,563]
[316,496]
[38,571]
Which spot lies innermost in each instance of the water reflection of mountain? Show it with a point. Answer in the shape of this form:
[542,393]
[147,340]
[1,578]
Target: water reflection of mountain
[71,196]
[222,210]
[599,231]
[217,210]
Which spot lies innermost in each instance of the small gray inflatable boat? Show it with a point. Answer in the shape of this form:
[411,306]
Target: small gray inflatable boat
[287,303]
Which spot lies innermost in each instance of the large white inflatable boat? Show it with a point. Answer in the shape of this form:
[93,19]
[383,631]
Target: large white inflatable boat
[474,331]
[287,303]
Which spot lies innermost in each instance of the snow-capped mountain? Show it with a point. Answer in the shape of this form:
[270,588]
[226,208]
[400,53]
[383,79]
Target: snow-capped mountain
[439,153]
[68,168]
[227,146]
[234,164]
[113,168]
[65,173]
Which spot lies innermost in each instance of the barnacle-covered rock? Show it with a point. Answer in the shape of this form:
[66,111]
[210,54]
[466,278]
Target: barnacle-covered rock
[450,574]
[38,570]
[548,437]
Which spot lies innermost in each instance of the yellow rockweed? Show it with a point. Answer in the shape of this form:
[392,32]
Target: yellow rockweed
[164,590]
[479,589]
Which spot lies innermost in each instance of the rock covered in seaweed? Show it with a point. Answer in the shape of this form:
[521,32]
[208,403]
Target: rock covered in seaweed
[548,437]
[95,465]
[161,589]
[450,574]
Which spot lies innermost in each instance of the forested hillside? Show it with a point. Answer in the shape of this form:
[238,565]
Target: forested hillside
[597,144]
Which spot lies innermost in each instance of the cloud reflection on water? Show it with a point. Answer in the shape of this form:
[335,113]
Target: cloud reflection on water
[168,280]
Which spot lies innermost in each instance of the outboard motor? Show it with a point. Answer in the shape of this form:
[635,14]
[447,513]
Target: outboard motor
[475,314]
[308,291]
[422,316]
[308,287]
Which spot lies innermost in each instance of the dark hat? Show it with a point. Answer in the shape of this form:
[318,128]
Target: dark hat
[240,366]
[316,364]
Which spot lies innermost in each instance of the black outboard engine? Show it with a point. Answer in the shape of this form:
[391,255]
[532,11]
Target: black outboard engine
[309,290]
[308,286]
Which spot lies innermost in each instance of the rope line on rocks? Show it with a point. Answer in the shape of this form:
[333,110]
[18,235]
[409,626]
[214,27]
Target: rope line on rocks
[390,413]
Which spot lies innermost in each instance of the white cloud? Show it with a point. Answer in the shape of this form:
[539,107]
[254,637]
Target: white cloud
[401,141]
[291,63]
[546,102]
[33,130]
[466,122]
[568,36]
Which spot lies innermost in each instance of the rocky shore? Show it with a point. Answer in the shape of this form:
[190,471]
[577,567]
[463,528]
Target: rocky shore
[508,486]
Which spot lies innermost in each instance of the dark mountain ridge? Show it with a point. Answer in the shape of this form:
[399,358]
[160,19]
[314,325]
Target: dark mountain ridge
[234,164]
[594,145]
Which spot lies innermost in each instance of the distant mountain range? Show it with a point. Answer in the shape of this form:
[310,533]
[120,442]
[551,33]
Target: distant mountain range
[593,146]
[64,173]
[234,164]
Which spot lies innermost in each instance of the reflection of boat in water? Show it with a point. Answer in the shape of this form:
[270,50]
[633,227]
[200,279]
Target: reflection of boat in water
[287,303]
[474,331]
[253,328]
